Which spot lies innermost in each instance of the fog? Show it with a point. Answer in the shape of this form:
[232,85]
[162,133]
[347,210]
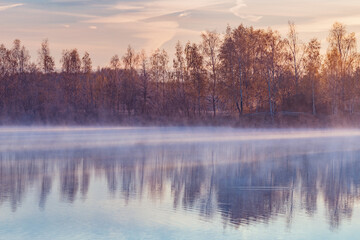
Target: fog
[183,182]
[58,138]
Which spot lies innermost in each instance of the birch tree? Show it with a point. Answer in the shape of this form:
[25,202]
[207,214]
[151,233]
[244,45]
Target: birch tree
[210,47]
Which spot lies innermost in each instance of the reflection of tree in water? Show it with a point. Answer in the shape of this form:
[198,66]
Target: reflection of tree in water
[245,195]
[16,176]
[340,182]
[245,183]
[69,180]
[85,179]
[46,184]
[309,191]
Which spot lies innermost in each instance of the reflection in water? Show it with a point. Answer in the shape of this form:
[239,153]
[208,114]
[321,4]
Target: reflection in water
[245,182]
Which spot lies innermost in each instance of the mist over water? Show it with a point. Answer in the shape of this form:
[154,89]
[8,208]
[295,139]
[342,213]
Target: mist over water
[179,183]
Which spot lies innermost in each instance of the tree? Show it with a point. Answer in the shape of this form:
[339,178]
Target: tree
[246,73]
[86,63]
[115,65]
[23,58]
[144,81]
[227,66]
[296,52]
[210,46]
[242,49]
[85,87]
[159,70]
[71,66]
[343,49]
[71,62]
[194,62]
[312,67]
[115,62]
[180,75]
[272,58]
[45,62]
[129,91]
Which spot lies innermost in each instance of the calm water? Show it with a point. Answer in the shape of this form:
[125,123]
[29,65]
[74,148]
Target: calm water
[179,183]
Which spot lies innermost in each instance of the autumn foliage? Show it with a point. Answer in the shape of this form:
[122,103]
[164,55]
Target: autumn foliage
[245,76]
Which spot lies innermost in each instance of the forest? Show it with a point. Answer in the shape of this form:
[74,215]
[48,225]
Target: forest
[243,77]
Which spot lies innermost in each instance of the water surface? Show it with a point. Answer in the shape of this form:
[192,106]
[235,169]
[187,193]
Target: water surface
[179,183]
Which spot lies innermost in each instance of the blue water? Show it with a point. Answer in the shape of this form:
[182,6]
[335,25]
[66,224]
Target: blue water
[179,183]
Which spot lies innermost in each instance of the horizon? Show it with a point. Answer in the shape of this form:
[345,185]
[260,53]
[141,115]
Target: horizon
[107,28]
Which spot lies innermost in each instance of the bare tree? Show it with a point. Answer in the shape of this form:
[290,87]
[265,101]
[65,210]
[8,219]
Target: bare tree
[211,46]
[195,66]
[249,72]
[297,53]
[144,83]
[159,71]
[180,75]
[129,91]
[228,61]
[45,61]
[86,63]
[115,62]
[312,68]
[71,62]
[343,48]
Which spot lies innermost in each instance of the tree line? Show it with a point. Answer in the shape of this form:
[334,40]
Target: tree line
[243,75]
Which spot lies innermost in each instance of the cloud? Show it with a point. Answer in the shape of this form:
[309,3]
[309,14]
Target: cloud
[5,7]
[184,14]
[157,33]
[127,7]
[160,23]
[239,4]
[251,18]
[294,8]
[237,11]
[143,10]
[121,18]
[69,14]
[156,21]
[324,24]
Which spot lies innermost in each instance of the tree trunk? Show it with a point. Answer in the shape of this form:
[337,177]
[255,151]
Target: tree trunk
[270,101]
[313,98]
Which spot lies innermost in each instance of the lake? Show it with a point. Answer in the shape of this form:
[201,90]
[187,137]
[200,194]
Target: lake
[178,183]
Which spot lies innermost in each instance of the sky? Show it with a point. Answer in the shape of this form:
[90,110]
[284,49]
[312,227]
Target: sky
[106,27]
